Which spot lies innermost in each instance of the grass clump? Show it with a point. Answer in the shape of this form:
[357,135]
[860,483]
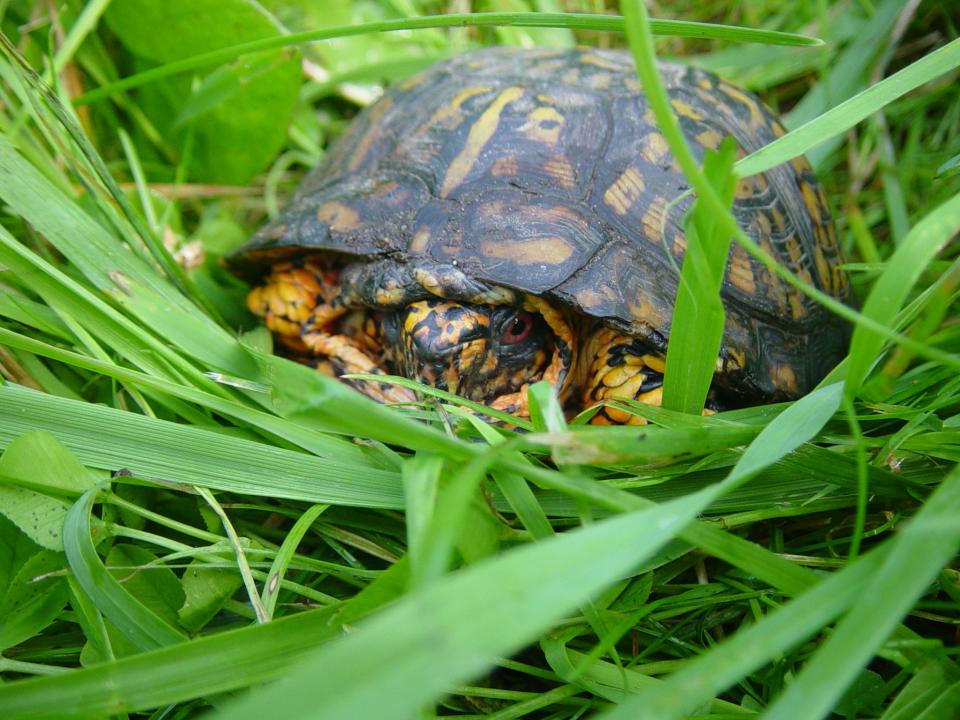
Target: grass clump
[184,515]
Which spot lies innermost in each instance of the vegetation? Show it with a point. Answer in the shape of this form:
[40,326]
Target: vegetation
[185,516]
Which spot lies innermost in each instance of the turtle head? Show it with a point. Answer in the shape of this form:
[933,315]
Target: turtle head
[481,352]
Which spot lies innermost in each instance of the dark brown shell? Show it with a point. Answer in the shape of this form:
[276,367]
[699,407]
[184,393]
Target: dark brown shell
[544,171]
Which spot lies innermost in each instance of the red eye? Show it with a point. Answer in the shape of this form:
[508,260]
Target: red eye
[518,328]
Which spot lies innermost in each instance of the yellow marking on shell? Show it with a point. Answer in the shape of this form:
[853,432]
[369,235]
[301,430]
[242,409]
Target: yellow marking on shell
[654,220]
[601,62]
[560,169]
[451,114]
[338,217]
[763,225]
[505,167]
[679,244]
[705,84]
[633,84]
[784,378]
[411,82]
[778,129]
[377,111]
[740,272]
[644,310]
[682,107]
[797,256]
[710,138]
[654,148]
[797,310]
[779,220]
[544,124]
[480,133]
[421,238]
[534,251]
[812,202]
[823,269]
[600,81]
[745,188]
[801,165]
[624,191]
[592,298]
[736,359]
[546,99]
[737,95]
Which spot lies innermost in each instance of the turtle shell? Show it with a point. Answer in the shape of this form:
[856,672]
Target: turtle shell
[543,171]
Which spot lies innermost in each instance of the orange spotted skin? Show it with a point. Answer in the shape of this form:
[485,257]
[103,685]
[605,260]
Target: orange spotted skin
[485,352]
[536,181]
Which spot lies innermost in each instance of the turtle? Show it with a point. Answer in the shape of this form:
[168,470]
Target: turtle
[514,215]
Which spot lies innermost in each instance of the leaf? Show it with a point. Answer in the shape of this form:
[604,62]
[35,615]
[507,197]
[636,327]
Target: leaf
[39,461]
[154,585]
[709,674]
[205,590]
[799,423]
[931,684]
[39,516]
[253,97]
[33,599]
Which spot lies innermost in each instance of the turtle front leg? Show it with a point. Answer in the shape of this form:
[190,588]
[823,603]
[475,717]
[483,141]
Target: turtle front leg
[300,305]
[622,367]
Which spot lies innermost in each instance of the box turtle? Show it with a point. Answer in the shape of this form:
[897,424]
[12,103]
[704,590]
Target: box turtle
[512,215]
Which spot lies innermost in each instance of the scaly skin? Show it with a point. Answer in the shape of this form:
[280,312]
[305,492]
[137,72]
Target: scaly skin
[487,353]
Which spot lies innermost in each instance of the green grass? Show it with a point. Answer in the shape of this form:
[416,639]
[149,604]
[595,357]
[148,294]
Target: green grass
[184,516]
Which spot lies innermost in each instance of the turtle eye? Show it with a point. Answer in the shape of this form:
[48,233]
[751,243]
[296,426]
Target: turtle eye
[517,329]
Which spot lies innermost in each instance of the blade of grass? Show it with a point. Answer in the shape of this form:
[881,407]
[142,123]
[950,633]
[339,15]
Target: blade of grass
[918,552]
[313,441]
[239,555]
[696,328]
[581,21]
[706,676]
[137,622]
[114,270]
[102,437]
[42,99]
[848,113]
[203,667]
[455,628]
[271,588]
[919,248]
